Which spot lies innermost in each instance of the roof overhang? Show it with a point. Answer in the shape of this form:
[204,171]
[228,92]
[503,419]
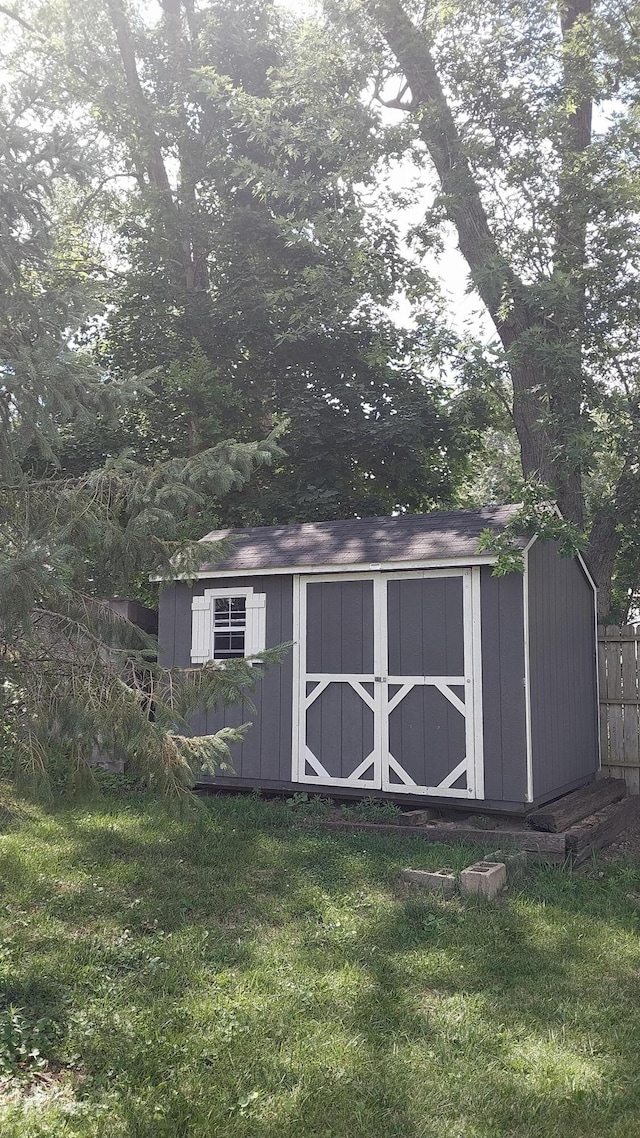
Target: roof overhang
[361,567]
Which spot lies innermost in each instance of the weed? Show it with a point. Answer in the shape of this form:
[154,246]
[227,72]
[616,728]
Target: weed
[371,810]
[313,805]
[25,1044]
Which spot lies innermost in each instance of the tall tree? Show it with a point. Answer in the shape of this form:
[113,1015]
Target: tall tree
[526,115]
[255,278]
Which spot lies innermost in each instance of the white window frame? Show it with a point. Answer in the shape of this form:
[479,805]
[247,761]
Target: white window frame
[203,626]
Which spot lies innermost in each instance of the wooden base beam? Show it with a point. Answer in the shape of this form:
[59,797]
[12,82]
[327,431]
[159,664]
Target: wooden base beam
[549,847]
[572,808]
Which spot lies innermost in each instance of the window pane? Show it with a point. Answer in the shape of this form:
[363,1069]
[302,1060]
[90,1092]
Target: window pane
[229,621]
[228,645]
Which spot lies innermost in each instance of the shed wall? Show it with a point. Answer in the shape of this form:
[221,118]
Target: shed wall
[264,758]
[503,691]
[265,753]
[562,655]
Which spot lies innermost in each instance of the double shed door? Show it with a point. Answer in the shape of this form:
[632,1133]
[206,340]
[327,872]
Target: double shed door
[389,691]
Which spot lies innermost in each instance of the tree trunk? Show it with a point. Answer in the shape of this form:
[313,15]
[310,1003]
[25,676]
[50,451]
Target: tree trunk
[547,399]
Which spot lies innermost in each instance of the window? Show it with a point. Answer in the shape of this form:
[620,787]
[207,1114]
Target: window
[227,624]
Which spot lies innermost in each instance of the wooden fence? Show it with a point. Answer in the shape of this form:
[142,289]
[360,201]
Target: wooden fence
[619,670]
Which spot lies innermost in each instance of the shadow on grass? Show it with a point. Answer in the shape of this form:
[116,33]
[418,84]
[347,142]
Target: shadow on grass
[276,979]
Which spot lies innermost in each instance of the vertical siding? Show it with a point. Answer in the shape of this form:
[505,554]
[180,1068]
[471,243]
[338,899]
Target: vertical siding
[340,626]
[166,626]
[425,638]
[562,653]
[266,750]
[339,640]
[425,626]
[503,694]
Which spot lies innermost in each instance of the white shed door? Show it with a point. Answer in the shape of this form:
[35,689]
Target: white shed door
[389,691]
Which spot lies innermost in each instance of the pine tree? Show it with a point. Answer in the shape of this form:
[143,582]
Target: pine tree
[74,675]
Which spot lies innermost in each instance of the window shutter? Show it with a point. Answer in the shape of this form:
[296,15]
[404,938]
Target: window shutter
[201,630]
[256,634]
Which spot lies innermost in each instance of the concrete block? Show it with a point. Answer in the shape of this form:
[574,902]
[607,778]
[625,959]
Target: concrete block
[486,878]
[416,817]
[439,882]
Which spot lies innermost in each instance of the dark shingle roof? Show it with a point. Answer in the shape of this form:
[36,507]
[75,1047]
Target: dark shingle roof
[360,541]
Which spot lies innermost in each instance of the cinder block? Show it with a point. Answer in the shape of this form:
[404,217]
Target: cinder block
[487,878]
[416,817]
[439,882]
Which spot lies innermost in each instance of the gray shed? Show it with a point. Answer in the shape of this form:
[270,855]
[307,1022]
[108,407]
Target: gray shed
[415,674]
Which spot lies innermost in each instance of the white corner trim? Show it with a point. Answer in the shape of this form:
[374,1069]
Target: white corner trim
[579,557]
[590,579]
[597,667]
[527,679]
[476,686]
[297,687]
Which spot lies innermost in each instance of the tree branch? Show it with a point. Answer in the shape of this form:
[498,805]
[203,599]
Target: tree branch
[154,160]
[13,15]
[499,287]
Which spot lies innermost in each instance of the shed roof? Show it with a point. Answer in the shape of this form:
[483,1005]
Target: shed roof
[407,538]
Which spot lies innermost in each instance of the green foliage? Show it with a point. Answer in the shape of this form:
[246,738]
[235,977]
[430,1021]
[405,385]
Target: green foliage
[75,677]
[310,805]
[26,1045]
[538,517]
[254,282]
[525,117]
[371,810]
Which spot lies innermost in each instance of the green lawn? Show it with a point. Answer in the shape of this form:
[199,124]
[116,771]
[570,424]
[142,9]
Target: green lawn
[242,973]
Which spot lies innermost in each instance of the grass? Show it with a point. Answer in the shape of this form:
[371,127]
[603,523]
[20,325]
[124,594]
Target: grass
[240,972]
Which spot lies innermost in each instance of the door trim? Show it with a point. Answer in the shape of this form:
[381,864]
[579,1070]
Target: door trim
[472,682]
[381,758]
[300,678]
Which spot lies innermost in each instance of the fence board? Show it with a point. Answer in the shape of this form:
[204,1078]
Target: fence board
[619,672]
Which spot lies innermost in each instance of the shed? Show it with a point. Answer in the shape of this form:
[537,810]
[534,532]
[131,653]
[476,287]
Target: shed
[415,673]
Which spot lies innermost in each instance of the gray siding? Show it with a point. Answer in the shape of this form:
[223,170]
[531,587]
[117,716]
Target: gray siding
[503,693]
[339,640]
[427,736]
[265,752]
[340,626]
[425,635]
[562,654]
[425,627]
